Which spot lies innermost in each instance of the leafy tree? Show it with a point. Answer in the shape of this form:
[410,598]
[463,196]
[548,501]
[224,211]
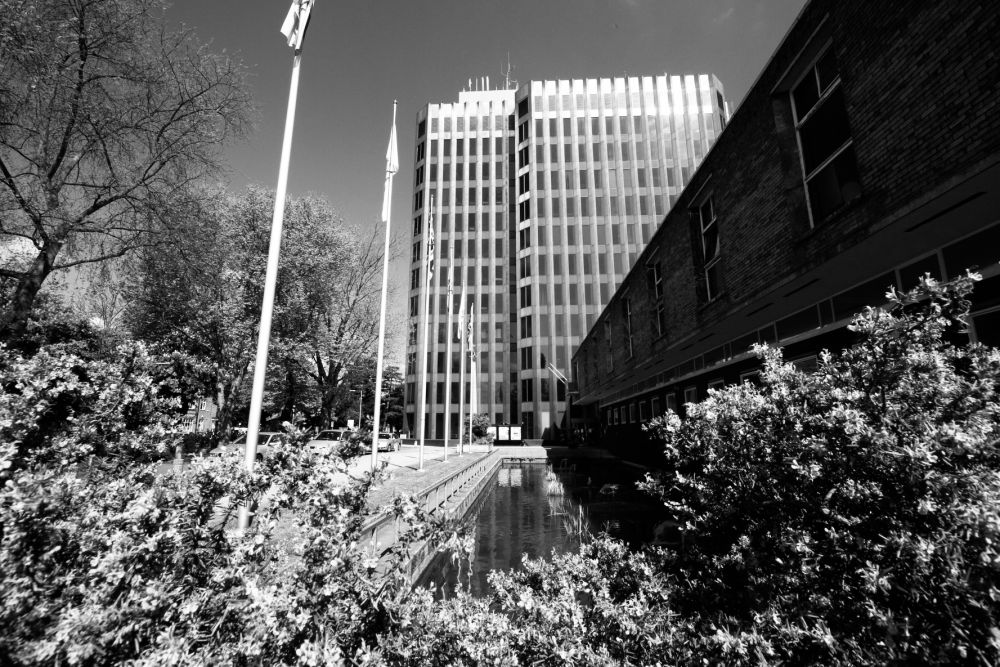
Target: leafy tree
[203,296]
[477,428]
[392,397]
[107,122]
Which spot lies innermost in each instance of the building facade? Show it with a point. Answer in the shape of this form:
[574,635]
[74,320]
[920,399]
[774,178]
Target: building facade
[545,195]
[866,154]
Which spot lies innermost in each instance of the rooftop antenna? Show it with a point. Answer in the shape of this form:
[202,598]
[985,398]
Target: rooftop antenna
[507,81]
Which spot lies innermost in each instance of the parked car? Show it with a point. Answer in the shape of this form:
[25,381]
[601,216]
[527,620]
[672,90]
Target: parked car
[329,441]
[387,442]
[265,441]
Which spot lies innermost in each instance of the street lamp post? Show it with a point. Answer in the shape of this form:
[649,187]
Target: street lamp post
[361,398]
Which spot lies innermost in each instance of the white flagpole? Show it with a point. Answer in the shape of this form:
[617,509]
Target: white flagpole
[427,317]
[447,366]
[387,212]
[270,278]
[461,373]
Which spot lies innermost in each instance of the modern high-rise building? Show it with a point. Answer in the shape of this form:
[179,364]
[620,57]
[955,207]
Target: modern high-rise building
[544,196]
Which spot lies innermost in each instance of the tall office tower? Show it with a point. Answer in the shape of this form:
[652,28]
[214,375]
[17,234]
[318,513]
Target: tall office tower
[545,196]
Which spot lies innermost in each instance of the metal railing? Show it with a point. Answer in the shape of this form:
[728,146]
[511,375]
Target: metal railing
[383,530]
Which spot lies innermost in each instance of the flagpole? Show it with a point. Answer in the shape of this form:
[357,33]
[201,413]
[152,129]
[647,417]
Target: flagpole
[461,373]
[270,278]
[447,367]
[428,248]
[387,213]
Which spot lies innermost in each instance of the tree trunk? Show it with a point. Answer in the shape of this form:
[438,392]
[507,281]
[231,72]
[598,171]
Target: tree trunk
[326,405]
[227,397]
[14,317]
[288,409]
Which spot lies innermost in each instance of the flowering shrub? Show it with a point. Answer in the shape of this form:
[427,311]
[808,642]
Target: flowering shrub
[60,407]
[850,515]
[847,516]
[103,560]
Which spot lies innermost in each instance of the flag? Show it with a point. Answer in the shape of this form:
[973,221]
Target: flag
[392,153]
[461,316]
[430,252]
[470,332]
[391,167]
[296,23]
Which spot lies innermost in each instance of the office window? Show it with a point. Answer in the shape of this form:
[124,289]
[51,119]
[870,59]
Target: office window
[829,166]
[710,247]
[527,392]
[526,327]
[691,394]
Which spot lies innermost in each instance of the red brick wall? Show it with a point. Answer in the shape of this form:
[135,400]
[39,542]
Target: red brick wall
[920,81]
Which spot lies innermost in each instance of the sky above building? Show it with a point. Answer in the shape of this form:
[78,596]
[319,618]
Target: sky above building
[360,55]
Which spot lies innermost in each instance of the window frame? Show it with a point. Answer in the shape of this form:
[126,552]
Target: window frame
[824,96]
[693,390]
[655,275]
[704,229]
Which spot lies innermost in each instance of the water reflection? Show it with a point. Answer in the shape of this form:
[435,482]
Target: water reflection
[535,508]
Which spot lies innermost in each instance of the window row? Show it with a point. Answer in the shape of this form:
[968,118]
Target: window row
[448,222]
[603,205]
[620,261]
[574,179]
[610,152]
[457,147]
[535,235]
[475,123]
[467,196]
[607,101]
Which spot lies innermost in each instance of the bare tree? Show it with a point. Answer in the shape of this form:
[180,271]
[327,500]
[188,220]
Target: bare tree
[346,331]
[107,123]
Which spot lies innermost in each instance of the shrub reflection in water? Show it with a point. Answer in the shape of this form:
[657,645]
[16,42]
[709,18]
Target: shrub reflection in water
[533,509]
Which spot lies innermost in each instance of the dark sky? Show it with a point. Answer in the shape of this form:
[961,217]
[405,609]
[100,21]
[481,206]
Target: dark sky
[361,54]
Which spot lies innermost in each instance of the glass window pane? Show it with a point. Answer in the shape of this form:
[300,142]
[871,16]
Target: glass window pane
[834,186]
[827,70]
[805,95]
[825,131]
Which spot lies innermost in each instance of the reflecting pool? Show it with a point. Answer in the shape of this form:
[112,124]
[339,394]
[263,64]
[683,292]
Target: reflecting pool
[534,508]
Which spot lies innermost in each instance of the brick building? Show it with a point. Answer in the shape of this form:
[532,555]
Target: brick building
[866,153]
